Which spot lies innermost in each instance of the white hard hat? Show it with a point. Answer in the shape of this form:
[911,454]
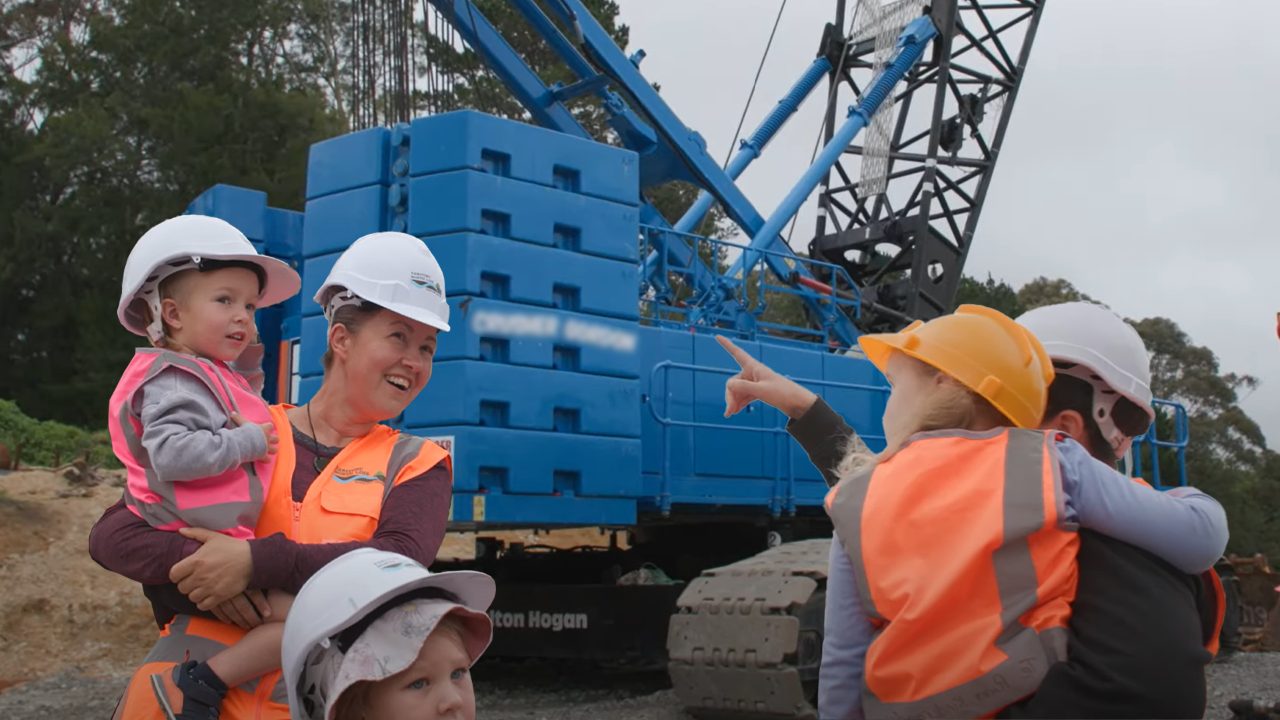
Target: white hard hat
[181,243]
[339,596]
[1089,341]
[392,270]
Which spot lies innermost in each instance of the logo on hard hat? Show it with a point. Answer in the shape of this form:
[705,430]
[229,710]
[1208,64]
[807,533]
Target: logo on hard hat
[424,281]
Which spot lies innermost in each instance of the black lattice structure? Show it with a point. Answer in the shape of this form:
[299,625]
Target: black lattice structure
[903,236]
[382,75]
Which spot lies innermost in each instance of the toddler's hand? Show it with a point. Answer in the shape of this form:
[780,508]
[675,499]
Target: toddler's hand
[268,432]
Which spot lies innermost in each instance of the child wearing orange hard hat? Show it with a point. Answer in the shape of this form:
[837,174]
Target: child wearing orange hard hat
[953,569]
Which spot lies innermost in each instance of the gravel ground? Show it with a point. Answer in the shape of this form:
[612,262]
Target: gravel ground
[555,691]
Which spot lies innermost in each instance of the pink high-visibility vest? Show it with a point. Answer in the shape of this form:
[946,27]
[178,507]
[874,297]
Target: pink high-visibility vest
[228,503]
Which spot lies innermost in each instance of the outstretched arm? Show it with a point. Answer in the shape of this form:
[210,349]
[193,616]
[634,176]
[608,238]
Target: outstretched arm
[1184,526]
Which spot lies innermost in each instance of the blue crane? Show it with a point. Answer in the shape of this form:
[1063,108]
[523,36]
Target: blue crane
[581,385]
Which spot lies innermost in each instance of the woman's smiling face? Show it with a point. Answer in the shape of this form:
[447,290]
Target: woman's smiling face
[386,363]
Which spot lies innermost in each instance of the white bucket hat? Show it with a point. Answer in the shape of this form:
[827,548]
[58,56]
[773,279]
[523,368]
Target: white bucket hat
[357,595]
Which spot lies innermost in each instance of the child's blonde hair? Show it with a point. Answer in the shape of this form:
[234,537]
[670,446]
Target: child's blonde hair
[950,406]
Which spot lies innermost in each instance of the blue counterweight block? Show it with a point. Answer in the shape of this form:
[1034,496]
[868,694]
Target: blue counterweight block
[539,463]
[335,221]
[284,233]
[470,201]
[376,156]
[510,270]
[468,392]
[244,208]
[470,140]
[506,333]
[514,334]
[314,271]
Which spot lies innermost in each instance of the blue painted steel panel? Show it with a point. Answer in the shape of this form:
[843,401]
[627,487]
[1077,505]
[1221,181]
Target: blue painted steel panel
[349,161]
[729,453]
[307,388]
[513,334]
[797,364]
[668,394]
[467,200]
[314,270]
[470,140]
[534,462]
[284,233]
[314,336]
[244,208]
[466,392]
[504,269]
[541,510]
[524,335]
[863,409]
[333,222]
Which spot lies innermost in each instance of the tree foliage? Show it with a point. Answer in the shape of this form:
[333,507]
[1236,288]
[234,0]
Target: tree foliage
[114,115]
[1227,454]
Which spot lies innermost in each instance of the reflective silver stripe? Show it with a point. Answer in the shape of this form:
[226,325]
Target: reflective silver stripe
[131,436]
[279,691]
[405,450]
[168,358]
[1023,515]
[1015,678]
[1029,653]
[846,516]
[222,516]
[178,647]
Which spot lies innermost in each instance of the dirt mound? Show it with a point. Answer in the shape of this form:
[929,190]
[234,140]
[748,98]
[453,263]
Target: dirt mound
[62,613]
[59,611]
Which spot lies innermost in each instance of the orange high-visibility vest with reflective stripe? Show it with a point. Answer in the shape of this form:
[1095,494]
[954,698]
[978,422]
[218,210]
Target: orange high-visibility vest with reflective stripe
[345,500]
[342,504]
[965,570]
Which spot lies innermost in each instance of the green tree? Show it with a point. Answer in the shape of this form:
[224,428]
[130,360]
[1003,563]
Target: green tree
[1043,291]
[126,110]
[994,294]
[1227,454]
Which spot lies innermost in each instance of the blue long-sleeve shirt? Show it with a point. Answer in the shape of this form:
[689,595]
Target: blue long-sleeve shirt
[1184,526]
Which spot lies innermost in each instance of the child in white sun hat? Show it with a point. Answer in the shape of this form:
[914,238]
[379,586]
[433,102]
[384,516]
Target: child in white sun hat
[374,635]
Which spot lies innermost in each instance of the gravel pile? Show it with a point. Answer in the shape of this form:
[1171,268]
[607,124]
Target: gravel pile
[558,691]
[1247,675]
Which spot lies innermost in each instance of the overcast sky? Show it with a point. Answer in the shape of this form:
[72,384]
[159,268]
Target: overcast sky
[1140,163]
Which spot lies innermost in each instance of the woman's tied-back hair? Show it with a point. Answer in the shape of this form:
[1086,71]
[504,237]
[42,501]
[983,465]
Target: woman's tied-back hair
[353,317]
[950,406]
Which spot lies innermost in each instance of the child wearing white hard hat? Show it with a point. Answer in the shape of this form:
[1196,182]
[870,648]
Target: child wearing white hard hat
[374,635]
[193,433]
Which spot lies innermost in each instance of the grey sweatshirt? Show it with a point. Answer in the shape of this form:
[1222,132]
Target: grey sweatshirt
[186,433]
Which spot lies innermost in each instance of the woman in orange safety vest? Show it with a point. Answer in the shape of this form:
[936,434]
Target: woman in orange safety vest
[342,481]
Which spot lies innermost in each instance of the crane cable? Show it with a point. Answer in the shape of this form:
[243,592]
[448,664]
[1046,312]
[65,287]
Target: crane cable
[737,133]
[831,96]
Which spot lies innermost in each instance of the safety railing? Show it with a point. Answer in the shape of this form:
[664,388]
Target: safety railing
[783,499]
[1150,444]
[670,296]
